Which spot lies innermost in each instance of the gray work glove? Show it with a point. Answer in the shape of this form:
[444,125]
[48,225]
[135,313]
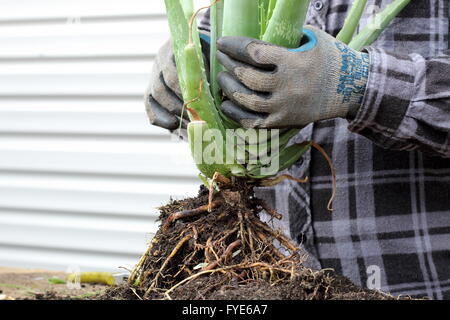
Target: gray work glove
[163,98]
[274,87]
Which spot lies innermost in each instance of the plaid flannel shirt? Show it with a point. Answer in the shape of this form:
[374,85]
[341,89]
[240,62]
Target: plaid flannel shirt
[390,228]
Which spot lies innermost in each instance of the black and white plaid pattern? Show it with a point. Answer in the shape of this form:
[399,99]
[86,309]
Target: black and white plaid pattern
[392,210]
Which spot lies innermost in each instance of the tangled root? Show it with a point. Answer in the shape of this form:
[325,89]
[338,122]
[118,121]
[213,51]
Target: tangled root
[230,240]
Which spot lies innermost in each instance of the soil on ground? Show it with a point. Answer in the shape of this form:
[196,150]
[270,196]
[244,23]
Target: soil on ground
[225,254]
[19,284]
[197,242]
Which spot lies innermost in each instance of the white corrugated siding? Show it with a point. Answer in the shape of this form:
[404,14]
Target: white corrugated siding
[81,170]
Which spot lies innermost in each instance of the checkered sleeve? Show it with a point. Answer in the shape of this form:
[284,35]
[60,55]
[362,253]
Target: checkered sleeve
[205,23]
[407,103]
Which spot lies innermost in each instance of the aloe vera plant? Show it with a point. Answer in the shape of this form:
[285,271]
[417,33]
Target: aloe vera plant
[352,21]
[172,260]
[372,31]
[276,21]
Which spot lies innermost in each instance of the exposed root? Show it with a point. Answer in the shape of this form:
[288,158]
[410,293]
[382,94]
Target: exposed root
[219,180]
[190,213]
[276,235]
[333,173]
[269,210]
[201,273]
[136,294]
[270,182]
[231,240]
[136,273]
[186,105]
[277,180]
[166,262]
[225,255]
[192,19]
[229,254]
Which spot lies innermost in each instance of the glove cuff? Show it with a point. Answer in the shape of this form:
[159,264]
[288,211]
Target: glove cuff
[351,80]
[342,74]
[205,36]
[311,41]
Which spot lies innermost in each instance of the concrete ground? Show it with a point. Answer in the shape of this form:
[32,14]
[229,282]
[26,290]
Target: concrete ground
[17,283]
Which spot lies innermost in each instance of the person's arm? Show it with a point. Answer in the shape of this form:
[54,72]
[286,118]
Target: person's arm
[407,103]
[399,102]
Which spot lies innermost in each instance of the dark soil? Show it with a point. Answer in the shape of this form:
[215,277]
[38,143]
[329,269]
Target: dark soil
[228,254]
[325,286]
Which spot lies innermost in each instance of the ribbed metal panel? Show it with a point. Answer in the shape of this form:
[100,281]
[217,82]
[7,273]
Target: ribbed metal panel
[81,170]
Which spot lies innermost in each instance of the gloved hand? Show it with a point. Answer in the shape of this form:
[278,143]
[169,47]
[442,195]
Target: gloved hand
[274,87]
[163,98]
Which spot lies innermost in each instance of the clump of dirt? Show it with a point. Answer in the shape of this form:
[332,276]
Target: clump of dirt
[51,295]
[228,253]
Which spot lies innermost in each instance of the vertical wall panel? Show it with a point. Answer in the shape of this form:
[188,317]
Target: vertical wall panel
[81,170]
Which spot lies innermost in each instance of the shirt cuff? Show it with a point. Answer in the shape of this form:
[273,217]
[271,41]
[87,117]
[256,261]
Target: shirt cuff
[389,91]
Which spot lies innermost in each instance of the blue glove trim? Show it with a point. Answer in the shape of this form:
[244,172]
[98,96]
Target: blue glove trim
[312,42]
[205,38]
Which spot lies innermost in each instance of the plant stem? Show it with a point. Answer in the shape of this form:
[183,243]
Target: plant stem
[352,21]
[371,32]
[241,18]
[188,8]
[190,65]
[272,4]
[286,24]
[232,18]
